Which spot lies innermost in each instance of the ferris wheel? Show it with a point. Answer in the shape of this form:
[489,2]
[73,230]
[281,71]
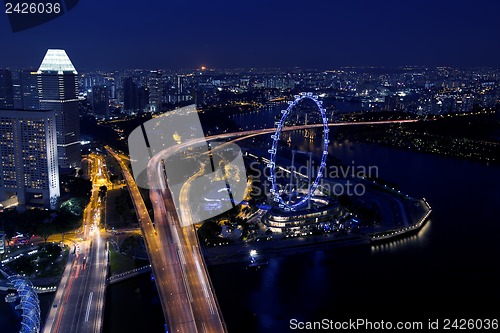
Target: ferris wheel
[278,194]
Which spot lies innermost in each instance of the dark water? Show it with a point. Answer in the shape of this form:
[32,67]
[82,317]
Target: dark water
[10,319]
[264,117]
[133,306]
[450,269]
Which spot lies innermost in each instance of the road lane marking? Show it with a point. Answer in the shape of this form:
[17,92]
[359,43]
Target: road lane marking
[89,303]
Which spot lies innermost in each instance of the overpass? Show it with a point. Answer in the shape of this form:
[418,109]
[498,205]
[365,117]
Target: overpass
[130,274]
[186,293]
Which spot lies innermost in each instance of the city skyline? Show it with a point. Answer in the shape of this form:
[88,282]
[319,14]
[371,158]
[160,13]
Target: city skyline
[249,166]
[281,34]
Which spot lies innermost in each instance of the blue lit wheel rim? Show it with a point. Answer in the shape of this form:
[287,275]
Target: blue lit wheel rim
[276,136]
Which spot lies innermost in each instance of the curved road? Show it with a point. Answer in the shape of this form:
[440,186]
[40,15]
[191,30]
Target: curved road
[185,289]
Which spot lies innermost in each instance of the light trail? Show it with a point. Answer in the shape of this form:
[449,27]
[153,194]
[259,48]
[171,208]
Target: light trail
[89,303]
[179,271]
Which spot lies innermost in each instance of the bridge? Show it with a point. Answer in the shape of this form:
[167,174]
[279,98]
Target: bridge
[188,300]
[30,304]
[129,274]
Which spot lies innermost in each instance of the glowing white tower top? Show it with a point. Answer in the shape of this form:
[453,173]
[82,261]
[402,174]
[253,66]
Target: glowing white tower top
[56,61]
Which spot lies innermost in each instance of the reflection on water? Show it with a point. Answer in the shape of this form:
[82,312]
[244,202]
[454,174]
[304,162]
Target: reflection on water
[449,266]
[406,242]
[10,319]
[258,118]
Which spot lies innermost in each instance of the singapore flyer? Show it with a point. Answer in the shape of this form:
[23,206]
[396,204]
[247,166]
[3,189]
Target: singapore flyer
[278,194]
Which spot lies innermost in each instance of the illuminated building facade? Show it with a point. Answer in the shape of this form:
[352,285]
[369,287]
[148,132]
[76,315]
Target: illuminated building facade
[58,91]
[279,221]
[155,86]
[29,90]
[28,157]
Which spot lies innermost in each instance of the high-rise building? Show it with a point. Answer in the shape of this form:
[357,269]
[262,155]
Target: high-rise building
[182,94]
[29,90]
[110,83]
[135,98]
[6,89]
[58,91]
[129,95]
[16,89]
[28,157]
[142,97]
[2,242]
[100,101]
[155,85]
[180,84]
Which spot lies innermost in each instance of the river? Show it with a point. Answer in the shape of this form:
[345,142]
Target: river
[450,269]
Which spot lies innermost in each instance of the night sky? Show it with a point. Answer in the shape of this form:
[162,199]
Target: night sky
[112,34]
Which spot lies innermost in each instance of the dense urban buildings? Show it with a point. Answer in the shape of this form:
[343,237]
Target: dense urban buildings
[100,101]
[416,90]
[155,85]
[29,90]
[6,89]
[58,91]
[135,98]
[28,155]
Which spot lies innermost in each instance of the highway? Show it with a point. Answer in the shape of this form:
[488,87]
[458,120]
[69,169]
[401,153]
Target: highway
[182,280]
[79,306]
[164,257]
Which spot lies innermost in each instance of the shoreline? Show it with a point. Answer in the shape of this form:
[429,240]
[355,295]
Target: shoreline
[240,253]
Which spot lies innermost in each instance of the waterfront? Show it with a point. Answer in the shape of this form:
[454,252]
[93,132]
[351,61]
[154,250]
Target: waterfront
[10,319]
[133,306]
[449,267]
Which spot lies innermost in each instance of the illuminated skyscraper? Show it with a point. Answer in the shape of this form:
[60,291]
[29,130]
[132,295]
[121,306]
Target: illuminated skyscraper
[155,85]
[29,90]
[180,84]
[58,91]
[28,157]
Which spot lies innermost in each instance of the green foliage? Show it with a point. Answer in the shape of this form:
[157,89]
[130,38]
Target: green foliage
[24,265]
[49,250]
[75,206]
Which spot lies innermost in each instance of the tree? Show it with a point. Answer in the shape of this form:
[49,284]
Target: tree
[44,230]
